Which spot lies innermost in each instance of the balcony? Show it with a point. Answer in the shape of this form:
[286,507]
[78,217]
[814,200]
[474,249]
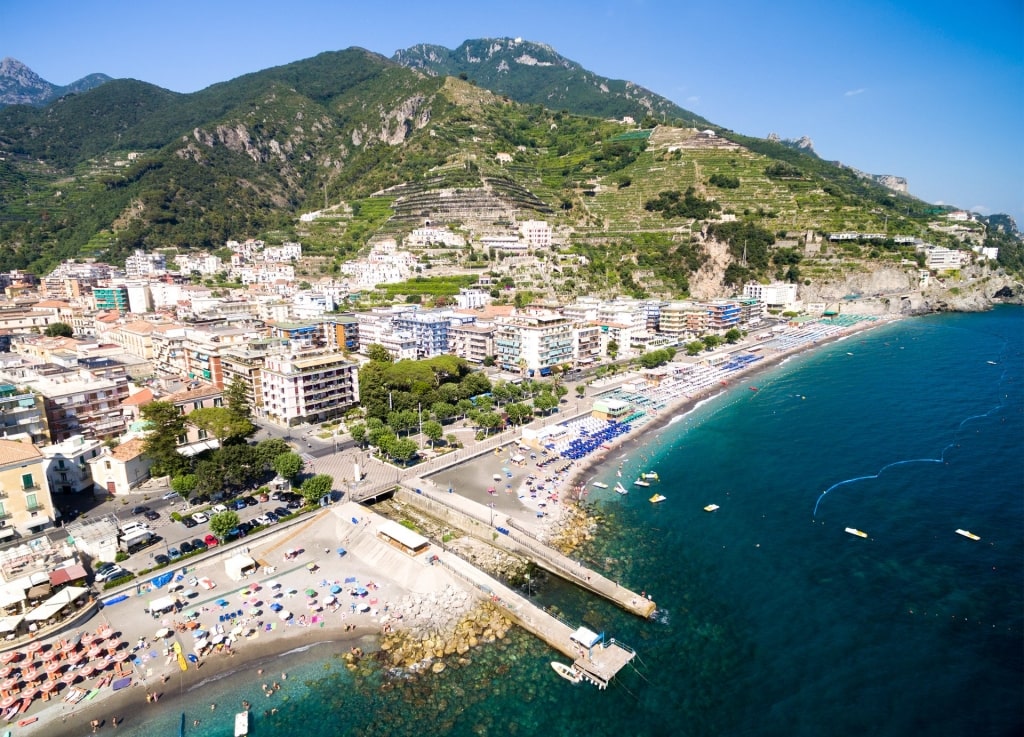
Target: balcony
[33,487]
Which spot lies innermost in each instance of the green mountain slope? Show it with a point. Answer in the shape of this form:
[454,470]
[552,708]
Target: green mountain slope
[535,73]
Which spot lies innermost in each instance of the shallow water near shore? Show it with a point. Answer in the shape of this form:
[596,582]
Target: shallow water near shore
[772,619]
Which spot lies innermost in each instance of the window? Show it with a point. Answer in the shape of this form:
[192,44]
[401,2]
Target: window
[106,464]
[31,502]
[27,482]
[60,463]
[3,512]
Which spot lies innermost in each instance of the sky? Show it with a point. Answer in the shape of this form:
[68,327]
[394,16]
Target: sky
[930,91]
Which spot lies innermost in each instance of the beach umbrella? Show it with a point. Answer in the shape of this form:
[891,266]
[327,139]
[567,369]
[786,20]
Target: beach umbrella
[88,638]
[291,592]
[69,677]
[311,566]
[236,630]
[335,589]
[200,643]
[77,657]
[52,668]
[94,652]
[310,592]
[28,693]
[284,614]
[121,656]
[8,702]
[8,656]
[35,647]
[273,584]
[276,607]
[192,614]
[217,639]
[9,684]
[87,670]
[6,671]
[163,632]
[330,599]
[50,654]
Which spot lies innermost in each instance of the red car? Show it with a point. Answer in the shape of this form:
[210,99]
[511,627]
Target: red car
[211,541]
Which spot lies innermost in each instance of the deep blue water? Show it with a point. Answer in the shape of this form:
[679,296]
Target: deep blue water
[772,619]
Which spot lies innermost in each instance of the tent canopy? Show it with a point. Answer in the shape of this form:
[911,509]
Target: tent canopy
[237,566]
[163,604]
[585,637]
[9,624]
[65,575]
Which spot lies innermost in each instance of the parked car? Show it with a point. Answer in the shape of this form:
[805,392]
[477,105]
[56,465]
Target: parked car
[161,559]
[211,541]
[111,574]
[141,509]
[295,503]
[266,519]
[282,512]
[151,515]
[186,548]
[198,544]
[238,505]
[174,553]
[188,522]
[171,495]
[218,508]
[250,501]
[200,517]
[105,567]
[275,495]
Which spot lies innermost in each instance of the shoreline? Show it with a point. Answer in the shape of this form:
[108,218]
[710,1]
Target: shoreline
[298,643]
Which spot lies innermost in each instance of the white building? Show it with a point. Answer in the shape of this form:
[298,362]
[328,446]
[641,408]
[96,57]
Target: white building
[141,264]
[536,233]
[777,295]
[938,258]
[308,388]
[533,341]
[67,467]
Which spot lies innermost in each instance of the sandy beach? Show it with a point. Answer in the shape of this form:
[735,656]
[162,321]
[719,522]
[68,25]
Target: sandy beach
[535,504]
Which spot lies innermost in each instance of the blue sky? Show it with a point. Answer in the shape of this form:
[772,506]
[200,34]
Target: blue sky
[930,91]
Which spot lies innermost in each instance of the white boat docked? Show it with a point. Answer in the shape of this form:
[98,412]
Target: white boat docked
[641,482]
[855,531]
[566,671]
[969,535]
[241,724]
[600,485]
[619,488]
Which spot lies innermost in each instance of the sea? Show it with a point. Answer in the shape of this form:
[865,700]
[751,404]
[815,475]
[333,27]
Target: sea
[772,619]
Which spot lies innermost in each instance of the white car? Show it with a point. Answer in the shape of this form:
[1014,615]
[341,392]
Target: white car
[218,508]
[110,574]
[200,518]
[171,495]
[264,520]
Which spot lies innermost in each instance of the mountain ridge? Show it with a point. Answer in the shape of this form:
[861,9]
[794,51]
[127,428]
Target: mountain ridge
[19,85]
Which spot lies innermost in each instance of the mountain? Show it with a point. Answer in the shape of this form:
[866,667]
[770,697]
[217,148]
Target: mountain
[534,73]
[378,148]
[19,85]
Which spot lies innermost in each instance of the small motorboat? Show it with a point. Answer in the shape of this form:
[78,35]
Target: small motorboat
[969,535]
[653,475]
[566,671]
[641,482]
[620,488]
[600,485]
[657,498]
[711,508]
[241,724]
[855,531]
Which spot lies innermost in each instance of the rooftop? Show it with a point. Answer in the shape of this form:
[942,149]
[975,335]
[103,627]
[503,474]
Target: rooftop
[11,451]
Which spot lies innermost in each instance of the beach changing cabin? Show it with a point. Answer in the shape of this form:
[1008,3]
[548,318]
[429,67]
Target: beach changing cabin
[239,566]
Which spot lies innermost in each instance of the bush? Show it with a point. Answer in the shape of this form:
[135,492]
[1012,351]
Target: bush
[118,581]
[121,556]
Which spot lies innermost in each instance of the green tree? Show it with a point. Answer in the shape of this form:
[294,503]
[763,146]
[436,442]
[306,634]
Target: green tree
[519,413]
[315,487]
[711,341]
[403,450]
[358,433]
[545,402]
[443,411]
[237,400]
[239,464]
[166,425]
[209,476]
[377,352]
[613,349]
[288,465]
[581,390]
[59,330]
[433,430]
[488,421]
[733,335]
[222,523]
[694,347]
[269,449]
[184,484]
[221,423]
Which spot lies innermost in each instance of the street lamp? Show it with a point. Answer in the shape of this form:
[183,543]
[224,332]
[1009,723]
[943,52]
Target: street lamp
[491,505]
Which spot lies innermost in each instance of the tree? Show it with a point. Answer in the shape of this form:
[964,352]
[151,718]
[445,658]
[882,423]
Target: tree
[403,450]
[733,335]
[519,413]
[209,476]
[358,433]
[237,400]
[488,421]
[166,425]
[377,352]
[433,430]
[545,402]
[613,349]
[184,484]
[711,341]
[443,411]
[317,486]
[581,390]
[288,465]
[59,330]
[694,348]
[239,463]
[222,523]
[221,423]
[269,449]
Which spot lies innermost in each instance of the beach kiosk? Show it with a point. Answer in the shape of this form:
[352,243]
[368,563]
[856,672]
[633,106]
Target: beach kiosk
[403,538]
[239,566]
[611,409]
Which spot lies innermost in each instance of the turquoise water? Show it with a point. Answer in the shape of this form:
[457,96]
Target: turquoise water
[772,619]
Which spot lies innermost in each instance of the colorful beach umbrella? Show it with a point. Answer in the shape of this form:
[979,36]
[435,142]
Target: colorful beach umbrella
[310,592]
[8,702]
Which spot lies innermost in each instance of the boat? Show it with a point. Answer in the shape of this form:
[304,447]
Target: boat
[650,475]
[991,363]
[620,488]
[566,671]
[754,388]
[600,485]
[241,724]
[711,508]
[641,482]
[969,535]
[657,498]
[855,531]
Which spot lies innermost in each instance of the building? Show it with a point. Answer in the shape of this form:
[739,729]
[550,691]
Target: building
[429,328]
[723,314]
[533,342]
[120,470]
[308,388]
[682,319]
[141,264]
[111,298]
[188,401]
[82,405]
[67,468]
[473,341]
[25,502]
[937,258]
[536,233]
[775,296]
[22,412]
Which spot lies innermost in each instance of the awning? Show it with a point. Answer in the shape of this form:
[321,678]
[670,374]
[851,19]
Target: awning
[7,532]
[66,575]
[585,637]
[10,595]
[38,592]
[9,624]
[50,608]
[163,604]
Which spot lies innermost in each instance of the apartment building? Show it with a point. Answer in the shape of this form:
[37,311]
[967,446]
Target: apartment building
[473,341]
[775,296]
[533,342]
[682,319]
[308,388]
[22,412]
[245,364]
[81,404]
[25,502]
[67,467]
[197,396]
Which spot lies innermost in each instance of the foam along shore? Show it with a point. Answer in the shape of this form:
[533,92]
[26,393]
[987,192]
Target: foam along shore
[371,589]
